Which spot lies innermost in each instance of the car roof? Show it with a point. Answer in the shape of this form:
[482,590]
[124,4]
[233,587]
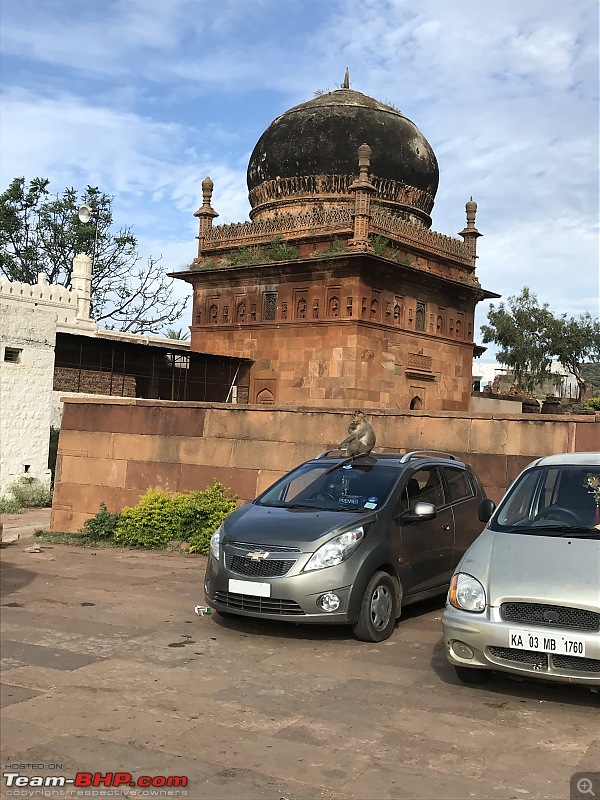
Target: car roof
[400,460]
[568,460]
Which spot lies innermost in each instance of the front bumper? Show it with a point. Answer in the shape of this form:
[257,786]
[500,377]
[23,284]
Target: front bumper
[292,598]
[487,637]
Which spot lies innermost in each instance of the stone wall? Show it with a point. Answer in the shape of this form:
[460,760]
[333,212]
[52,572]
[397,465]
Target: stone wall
[112,450]
[89,381]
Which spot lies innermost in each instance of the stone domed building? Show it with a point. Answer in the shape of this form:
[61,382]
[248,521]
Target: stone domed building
[337,291]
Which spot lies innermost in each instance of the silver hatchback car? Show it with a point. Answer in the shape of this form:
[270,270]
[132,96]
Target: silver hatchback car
[346,541]
[525,597]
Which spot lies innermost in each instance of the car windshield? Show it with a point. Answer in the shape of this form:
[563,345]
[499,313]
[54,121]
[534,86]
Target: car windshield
[553,501]
[333,487]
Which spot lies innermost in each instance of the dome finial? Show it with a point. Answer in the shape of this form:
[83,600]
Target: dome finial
[346,83]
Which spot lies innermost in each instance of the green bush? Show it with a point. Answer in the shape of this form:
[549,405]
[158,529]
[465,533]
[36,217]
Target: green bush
[161,517]
[27,492]
[101,527]
[594,402]
[202,515]
[8,505]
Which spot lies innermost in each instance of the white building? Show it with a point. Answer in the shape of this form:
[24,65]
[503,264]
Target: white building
[30,316]
[48,340]
[484,375]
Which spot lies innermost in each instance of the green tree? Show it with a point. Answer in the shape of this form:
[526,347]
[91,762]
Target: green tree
[522,329]
[574,341]
[179,333]
[41,233]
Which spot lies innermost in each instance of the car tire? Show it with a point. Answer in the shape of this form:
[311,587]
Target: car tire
[378,609]
[473,674]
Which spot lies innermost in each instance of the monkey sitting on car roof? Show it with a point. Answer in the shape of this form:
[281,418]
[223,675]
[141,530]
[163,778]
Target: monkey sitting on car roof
[361,436]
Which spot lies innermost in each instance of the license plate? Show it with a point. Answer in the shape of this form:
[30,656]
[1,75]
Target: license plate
[250,587]
[545,642]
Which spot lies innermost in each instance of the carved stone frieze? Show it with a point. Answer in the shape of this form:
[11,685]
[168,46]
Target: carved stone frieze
[416,361]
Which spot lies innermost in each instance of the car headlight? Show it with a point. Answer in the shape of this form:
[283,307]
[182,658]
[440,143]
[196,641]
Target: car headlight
[215,542]
[466,593]
[336,550]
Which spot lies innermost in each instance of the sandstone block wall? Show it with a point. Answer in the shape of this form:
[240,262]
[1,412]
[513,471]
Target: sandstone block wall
[112,450]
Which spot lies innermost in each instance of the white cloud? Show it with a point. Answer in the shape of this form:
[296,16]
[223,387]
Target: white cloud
[145,98]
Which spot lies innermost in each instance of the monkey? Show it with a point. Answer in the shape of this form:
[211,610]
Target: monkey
[361,436]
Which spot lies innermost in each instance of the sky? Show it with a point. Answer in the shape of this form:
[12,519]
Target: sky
[144,98]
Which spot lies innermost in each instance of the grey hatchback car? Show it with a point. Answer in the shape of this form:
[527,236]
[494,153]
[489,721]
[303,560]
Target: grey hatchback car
[346,540]
[525,599]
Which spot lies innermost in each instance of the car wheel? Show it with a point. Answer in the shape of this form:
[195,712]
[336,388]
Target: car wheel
[377,614]
[473,675]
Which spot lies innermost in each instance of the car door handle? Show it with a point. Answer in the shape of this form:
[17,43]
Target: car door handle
[445,527]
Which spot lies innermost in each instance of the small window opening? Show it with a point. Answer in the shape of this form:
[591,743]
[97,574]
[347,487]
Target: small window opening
[416,404]
[26,467]
[13,355]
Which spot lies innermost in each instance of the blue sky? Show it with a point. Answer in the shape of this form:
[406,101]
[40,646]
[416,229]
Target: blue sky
[144,98]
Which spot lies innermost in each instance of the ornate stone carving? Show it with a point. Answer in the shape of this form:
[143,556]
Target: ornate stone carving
[245,233]
[270,306]
[386,223]
[312,185]
[420,316]
[416,361]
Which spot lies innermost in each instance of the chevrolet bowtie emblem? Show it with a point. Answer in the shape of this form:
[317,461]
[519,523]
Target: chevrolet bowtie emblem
[258,555]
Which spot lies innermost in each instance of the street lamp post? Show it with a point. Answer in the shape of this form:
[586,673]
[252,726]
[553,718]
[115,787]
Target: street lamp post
[85,214]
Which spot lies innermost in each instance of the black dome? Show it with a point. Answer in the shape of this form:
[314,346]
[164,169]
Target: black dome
[322,136]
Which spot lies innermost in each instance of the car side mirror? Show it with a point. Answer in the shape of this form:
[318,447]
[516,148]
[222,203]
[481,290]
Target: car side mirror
[486,509]
[419,513]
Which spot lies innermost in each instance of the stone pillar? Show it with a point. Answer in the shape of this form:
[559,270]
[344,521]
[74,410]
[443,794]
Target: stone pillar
[363,189]
[205,213]
[81,281]
[470,234]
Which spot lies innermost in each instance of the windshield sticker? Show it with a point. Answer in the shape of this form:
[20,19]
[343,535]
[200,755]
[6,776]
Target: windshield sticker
[369,504]
[350,501]
[372,499]
[347,466]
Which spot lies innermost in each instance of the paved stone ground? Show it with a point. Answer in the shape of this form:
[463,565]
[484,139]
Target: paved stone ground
[106,668]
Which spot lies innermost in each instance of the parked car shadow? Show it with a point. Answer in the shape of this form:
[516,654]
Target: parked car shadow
[12,578]
[504,685]
[318,632]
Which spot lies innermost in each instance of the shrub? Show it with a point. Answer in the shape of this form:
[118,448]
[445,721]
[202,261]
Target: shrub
[161,517]
[203,513]
[8,505]
[27,492]
[283,251]
[101,527]
[594,402]
[381,244]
